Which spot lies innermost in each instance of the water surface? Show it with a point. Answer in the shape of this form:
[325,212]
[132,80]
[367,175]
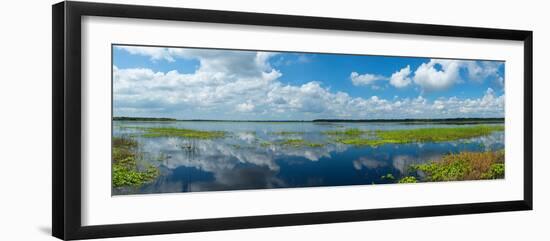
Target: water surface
[240,160]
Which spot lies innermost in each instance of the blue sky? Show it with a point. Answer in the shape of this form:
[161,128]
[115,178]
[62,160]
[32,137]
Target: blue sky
[188,83]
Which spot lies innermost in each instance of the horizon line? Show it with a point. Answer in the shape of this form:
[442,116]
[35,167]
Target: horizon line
[313,120]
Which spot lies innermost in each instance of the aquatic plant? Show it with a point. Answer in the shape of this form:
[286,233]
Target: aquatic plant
[125,170]
[365,142]
[124,142]
[408,179]
[437,134]
[465,166]
[299,143]
[380,137]
[122,148]
[388,176]
[451,171]
[177,132]
[496,171]
[129,175]
[350,132]
[266,143]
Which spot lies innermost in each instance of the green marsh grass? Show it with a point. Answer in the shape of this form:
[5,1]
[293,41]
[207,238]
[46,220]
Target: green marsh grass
[388,176]
[408,179]
[177,132]
[380,137]
[351,132]
[266,143]
[437,134]
[465,166]
[300,143]
[295,143]
[125,167]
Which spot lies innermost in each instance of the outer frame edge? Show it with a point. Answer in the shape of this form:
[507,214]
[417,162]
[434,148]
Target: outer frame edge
[58,165]
[72,126]
[66,53]
[528,119]
[218,224]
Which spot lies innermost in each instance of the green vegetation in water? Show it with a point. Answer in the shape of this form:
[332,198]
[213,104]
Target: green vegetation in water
[465,166]
[380,137]
[124,142]
[353,136]
[351,132]
[408,179]
[125,173]
[496,171]
[291,143]
[299,143]
[125,167]
[437,134]
[388,176]
[176,132]
[365,142]
[266,143]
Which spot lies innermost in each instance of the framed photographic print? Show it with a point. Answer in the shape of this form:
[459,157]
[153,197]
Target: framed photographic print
[170,120]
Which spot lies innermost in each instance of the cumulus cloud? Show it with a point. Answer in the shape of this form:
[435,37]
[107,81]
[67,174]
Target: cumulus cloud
[243,85]
[245,107]
[172,92]
[480,70]
[440,74]
[401,78]
[151,52]
[222,62]
[429,77]
[365,79]
[435,75]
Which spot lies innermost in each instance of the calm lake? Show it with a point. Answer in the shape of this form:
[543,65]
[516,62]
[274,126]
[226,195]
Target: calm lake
[246,159]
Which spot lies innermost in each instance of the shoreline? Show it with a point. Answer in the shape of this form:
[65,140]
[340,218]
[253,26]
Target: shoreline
[407,121]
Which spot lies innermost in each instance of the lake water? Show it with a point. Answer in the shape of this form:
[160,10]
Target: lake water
[239,160]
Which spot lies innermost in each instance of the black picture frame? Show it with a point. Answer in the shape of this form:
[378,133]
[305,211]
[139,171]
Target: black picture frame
[66,127]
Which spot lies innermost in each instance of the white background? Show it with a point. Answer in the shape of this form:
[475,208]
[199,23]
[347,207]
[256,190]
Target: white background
[25,99]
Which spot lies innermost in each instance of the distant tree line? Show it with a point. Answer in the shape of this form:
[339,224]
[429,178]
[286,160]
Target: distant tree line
[124,118]
[410,120]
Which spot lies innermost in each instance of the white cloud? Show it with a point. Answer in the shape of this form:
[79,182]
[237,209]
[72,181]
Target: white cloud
[431,78]
[172,92]
[152,52]
[437,74]
[480,70]
[401,78]
[228,62]
[365,79]
[245,107]
[224,80]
